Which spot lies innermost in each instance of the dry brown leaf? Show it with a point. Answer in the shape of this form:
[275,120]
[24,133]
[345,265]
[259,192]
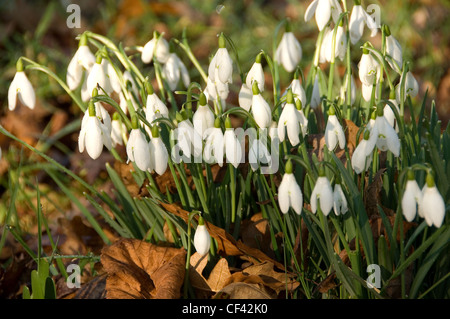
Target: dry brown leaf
[241,290]
[219,275]
[255,233]
[197,265]
[141,270]
[227,245]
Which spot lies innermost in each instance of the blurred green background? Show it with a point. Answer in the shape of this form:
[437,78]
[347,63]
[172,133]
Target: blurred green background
[38,30]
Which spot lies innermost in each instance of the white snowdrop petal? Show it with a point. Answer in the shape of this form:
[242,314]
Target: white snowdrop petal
[202,240]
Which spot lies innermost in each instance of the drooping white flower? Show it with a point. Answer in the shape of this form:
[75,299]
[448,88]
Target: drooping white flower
[361,158]
[93,134]
[154,107]
[83,59]
[214,144]
[118,130]
[411,86]
[203,117]
[174,70]
[21,87]
[432,205]
[290,120]
[138,149]
[98,76]
[189,141]
[384,135]
[340,47]
[369,68]
[157,48]
[221,66]
[245,97]
[367,91]
[389,113]
[158,152]
[233,148]
[358,18]
[411,198]
[261,111]
[323,193]
[289,51]
[334,133]
[202,238]
[340,204]
[289,192]
[273,130]
[394,50]
[111,74]
[217,91]
[323,10]
[298,90]
[256,73]
[258,153]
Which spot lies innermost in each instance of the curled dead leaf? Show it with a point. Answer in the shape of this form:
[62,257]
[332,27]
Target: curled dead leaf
[141,270]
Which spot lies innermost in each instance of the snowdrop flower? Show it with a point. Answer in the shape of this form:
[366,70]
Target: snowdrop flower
[323,10]
[340,47]
[367,90]
[411,86]
[315,97]
[93,134]
[245,97]
[214,144]
[334,133]
[394,50]
[256,73]
[20,86]
[189,141]
[173,70]
[273,130]
[158,152]
[217,91]
[154,107]
[289,192]
[111,74]
[340,204]
[157,47]
[389,113]
[297,90]
[361,158]
[411,197]
[118,130]
[202,238]
[369,68]
[289,50]
[221,65]
[233,149]
[138,149]
[432,206]
[261,111]
[290,121]
[83,59]
[358,18]
[258,153]
[323,193]
[203,117]
[98,76]
[384,135]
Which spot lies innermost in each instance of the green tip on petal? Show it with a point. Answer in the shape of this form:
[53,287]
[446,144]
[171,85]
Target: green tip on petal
[83,40]
[290,97]
[373,116]
[331,110]
[259,57]
[255,88]
[288,26]
[365,48]
[217,122]
[298,104]
[380,110]
[99,58]
[149,87]
[134,122]
[430,180]
[357,2]
[411,176]
[91,108]
[201,221]
[366,135]
[228,122]
[94,92]
[19,65]
[321,170]
[289,168]
[155,131]
[392,95]
[222,41]
[296,74]
[116,116]
[202,99]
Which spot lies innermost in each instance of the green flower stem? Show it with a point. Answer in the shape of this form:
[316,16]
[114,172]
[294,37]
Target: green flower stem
[185,46]
[36,66]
